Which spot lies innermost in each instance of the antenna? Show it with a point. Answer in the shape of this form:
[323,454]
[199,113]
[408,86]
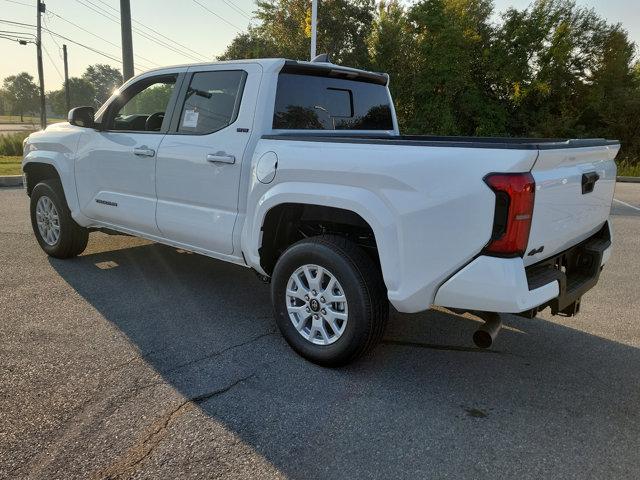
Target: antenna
[322,58]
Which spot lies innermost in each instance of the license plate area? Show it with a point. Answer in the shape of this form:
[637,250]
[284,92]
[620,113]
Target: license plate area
[576,270]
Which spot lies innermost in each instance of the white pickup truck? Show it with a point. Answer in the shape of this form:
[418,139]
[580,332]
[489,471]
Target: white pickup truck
[298,171]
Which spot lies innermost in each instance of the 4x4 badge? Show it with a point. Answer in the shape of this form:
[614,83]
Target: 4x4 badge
[535,251]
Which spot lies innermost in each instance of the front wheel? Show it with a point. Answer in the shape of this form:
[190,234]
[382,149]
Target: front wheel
[57,233]
[329,300]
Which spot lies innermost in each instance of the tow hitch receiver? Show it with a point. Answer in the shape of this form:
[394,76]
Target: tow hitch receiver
[576,270]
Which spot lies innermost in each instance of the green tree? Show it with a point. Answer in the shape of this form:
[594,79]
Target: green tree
[391,50]
[250,45]
[81,93]
[285,31]
[613,99]
[453,92]
[104,79]
[21,93]
[565,72]
[551,69]
[5,103]
[151,100]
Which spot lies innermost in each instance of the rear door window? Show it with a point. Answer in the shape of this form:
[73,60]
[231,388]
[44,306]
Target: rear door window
[212,101]
[308,102]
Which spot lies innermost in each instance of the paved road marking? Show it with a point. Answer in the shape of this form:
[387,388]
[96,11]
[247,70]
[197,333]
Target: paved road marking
[626,204]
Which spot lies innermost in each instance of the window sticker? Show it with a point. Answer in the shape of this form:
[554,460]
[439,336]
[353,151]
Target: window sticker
[190,119]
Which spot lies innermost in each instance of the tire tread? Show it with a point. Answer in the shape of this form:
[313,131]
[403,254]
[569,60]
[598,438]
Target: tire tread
[74,241]
[369,281]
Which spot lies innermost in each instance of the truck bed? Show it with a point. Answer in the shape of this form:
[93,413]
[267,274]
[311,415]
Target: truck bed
[513,143]
[574,178]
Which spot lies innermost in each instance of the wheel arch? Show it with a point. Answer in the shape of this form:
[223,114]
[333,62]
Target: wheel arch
[351,206]
[46,166]
[36,172]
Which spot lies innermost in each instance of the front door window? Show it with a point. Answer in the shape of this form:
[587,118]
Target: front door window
[143,106]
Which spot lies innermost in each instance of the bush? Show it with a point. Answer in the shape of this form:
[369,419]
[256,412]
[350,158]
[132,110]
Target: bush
[628,169]
[12,144]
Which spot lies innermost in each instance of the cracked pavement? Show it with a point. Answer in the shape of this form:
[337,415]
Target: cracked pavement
[138,360]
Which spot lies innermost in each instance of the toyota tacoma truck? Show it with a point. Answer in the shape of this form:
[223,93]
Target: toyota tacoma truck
[298,171]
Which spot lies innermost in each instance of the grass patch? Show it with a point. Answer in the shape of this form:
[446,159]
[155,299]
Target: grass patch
[626,169]
[11,144]
[10,165]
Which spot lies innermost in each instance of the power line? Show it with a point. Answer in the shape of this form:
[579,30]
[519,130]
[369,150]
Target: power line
[97,9]
[19,3]
[21,41]
[215,14]
[100,11]
[60,49]
[95,50]
[53,39]
[17,23]
[18,33]
[238,9]
[53,63]
[99,37]
[155,31]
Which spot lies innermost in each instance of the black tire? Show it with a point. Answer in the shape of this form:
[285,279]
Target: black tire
[364,289]
[73,238]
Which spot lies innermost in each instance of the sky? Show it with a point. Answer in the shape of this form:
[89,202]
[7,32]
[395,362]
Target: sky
[191,31]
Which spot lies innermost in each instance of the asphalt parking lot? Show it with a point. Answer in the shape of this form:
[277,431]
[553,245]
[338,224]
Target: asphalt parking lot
[138,360]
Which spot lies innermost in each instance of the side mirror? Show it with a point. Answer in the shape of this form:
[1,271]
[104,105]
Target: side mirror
[82,117]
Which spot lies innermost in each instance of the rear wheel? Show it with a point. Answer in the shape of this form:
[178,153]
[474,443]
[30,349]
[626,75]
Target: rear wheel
[57,233]
[329,300]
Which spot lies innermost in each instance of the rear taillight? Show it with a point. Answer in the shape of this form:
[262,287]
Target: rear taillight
[515,193]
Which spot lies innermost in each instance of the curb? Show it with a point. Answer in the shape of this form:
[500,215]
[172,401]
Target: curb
[628,179]
[11,181]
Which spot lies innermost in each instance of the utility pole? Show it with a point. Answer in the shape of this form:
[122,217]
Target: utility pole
[67,94]
[43,109]
[314,27]
[127,41]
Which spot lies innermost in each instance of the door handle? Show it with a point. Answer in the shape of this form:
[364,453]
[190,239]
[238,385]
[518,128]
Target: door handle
[220,157]
[589,181]
[144,151]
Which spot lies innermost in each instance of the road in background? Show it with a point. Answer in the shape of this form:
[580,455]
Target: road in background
[140,360]
[6,128]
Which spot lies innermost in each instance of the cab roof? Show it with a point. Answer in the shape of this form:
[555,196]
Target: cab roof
[297,67]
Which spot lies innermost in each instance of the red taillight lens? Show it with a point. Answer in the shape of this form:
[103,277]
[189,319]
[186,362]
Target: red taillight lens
[515,193]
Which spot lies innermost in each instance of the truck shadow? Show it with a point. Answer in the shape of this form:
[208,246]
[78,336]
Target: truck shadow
[425,403]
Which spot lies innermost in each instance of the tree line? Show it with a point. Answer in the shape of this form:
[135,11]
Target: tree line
[550,70]
[19,94]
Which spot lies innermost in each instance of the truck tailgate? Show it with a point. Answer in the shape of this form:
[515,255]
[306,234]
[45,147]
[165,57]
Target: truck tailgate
[574,191]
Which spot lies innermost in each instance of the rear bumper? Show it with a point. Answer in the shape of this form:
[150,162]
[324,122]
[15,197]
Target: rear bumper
[493,284]
[505,285]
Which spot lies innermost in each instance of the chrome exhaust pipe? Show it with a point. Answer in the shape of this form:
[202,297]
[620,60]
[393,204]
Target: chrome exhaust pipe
[487,333]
